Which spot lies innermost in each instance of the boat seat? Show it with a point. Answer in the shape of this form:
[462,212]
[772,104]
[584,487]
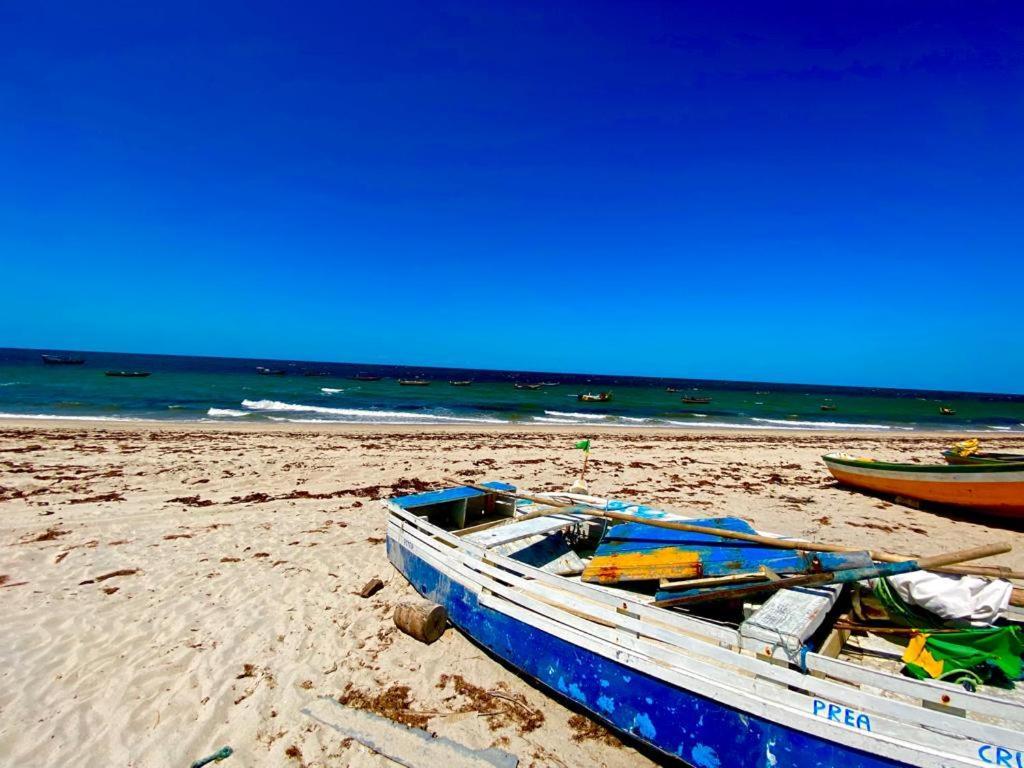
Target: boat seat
[510,532]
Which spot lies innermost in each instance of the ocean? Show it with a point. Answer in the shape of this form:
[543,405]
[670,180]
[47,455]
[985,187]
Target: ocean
[214,389]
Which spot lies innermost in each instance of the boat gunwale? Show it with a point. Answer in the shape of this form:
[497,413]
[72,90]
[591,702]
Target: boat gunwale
[942,469]
[703,649]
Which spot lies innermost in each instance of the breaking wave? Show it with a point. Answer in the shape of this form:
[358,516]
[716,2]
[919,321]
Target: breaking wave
[823,424]
[585,416]
[65,418]
[361,414]
[227,412]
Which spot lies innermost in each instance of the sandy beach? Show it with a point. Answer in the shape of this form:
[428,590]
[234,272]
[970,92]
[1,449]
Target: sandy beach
[171,589]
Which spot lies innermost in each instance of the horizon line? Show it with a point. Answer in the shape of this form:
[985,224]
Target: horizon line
[515,370]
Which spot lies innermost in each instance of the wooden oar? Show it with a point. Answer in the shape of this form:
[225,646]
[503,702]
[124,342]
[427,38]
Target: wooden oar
[833,577]
[768,541]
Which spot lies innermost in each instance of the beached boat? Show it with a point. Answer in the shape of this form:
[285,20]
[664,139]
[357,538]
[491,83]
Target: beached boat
[128,374]
[414,382]
[270,371]
[774,689]
[982,457]
[589,397]
[62,360]
[520,385]
[696,400]
[365,377]
[993,488]
[460,383]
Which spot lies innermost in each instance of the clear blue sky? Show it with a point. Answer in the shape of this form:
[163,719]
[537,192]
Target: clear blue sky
[827,193]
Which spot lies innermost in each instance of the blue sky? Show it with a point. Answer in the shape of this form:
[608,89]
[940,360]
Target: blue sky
[749,191]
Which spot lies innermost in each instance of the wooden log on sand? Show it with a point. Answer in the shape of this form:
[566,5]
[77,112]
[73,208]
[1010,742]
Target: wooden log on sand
[421,619]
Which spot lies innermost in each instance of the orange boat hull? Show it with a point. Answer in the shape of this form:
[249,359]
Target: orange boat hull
[999,494]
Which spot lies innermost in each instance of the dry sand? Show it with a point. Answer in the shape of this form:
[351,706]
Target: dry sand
[168,590]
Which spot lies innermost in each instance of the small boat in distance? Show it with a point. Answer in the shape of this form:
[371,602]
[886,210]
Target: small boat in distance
[995,488]
[315,373]
[696,400]
[128,374]
[460,383]
[520,385]
[590,397]
[414,382]
[828,407]
[550,383]
[62,360]
[365,377]
[672,389]
[270,371]
[946,411]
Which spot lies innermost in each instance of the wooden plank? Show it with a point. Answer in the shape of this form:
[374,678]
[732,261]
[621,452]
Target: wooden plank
[513,531]
[640,552]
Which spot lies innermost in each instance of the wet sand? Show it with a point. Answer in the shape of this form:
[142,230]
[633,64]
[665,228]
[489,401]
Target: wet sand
[170,589]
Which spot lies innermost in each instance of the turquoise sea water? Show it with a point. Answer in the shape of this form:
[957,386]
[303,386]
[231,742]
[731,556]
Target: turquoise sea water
[231,390]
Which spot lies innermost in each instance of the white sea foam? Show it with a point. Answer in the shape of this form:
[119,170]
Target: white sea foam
[360,414]
[1001,429]
[227,412]
[823,424]
[8,383]
[65,418]
[330,390]
[634,419]
[546,420]
[727,425]
[586,416]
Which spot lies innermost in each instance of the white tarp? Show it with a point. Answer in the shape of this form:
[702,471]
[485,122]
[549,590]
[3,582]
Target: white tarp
[970,599]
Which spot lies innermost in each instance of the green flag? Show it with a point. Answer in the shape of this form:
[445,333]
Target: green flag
[583,445]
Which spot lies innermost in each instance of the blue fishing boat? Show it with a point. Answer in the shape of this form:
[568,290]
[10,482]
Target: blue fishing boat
[774,690]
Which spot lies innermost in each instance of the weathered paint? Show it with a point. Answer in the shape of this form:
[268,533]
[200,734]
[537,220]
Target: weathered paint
[447,494]
[634,551]
[677,722]
[1001,756]
[996,489]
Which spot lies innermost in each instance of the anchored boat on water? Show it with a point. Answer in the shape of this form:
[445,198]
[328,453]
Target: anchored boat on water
[62,360]
[589,397]
[774,688]
[995,488]
[127,374]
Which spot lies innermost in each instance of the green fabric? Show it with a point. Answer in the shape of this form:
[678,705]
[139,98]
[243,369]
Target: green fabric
[993,654]
[901,612]
[583,445]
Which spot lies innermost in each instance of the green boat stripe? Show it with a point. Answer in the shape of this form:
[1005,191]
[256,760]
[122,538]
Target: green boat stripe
[940,469]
